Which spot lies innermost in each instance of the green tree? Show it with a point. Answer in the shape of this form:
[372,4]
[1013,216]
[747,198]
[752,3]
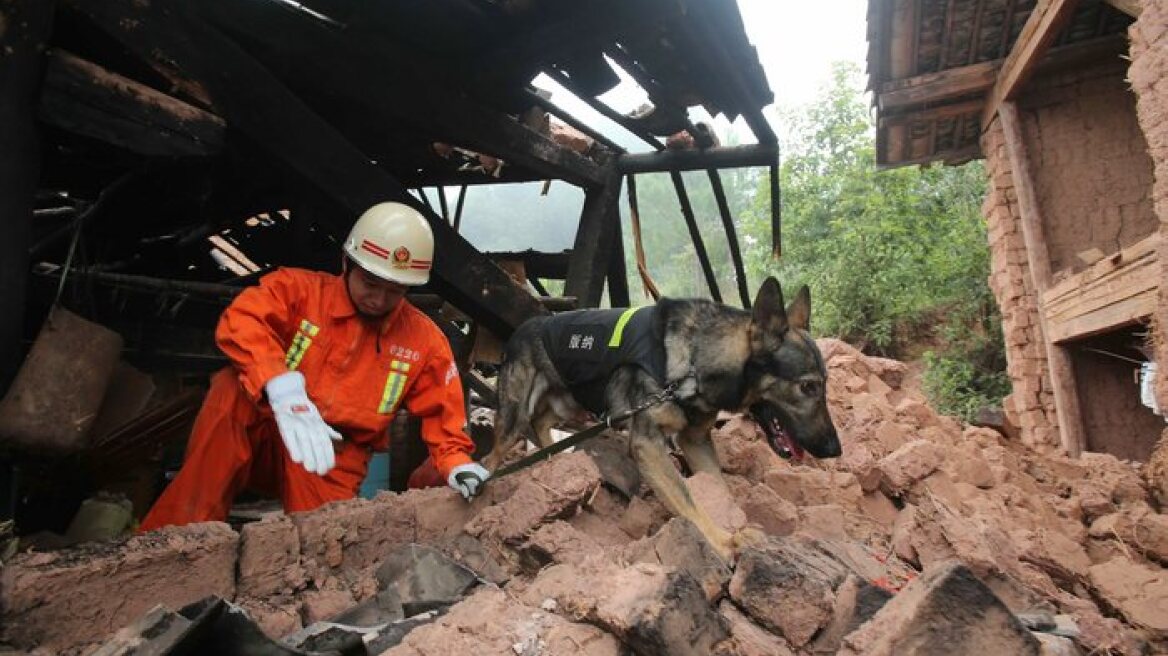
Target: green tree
[894,259]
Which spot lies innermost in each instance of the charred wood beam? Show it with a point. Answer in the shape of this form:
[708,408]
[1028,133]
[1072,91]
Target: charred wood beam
[620,119]
[701,22]
[220,293]
[456,221]
[82,97]
[538,264]
[618,275]
[355,73]
[731,237]
[555,110]
[257,104]
[776,213]
[589,263]
[695,236]
[25,32]
[693,160]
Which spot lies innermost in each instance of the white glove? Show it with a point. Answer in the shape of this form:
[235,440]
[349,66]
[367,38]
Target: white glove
[468,479]
[308,439]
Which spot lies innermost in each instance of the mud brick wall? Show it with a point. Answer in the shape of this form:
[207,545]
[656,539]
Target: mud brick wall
[1092,172]
[1031,404]
[1092,177]
[1148,77]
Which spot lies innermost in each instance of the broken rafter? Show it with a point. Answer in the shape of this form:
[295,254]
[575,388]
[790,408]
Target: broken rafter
[731,236]
[353,62]
[260,106]
[555,110]
[693,160]
[84,98]
[620,119]
[695,236]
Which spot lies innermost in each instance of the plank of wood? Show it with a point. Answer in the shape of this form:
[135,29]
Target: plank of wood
[934,87]
[1129,311]
[1058,361]
[932,113]
[84,98]
[1108,266]
[1039,32]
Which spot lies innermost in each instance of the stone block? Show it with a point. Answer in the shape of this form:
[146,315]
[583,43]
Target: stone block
[651,608]
[909,464]
[944,611]
[551,490]
[787,586]
[65,599]
[1138,592]
[269,558]
[422,573]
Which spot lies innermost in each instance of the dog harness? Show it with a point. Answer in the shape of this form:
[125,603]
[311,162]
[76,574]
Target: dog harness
[587,346]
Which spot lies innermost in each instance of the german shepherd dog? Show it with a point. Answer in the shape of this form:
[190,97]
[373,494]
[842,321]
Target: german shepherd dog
[761,362]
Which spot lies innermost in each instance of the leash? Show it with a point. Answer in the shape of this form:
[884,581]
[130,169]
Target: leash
[668,393]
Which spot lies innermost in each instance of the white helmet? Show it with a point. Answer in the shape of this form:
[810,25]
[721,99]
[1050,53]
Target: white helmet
[393,242]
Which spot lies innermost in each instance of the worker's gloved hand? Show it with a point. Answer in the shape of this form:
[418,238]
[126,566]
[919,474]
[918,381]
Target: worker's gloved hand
[308,439]
[468,479]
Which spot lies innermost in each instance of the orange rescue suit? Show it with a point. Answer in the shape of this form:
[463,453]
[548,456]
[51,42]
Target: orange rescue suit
[358,373]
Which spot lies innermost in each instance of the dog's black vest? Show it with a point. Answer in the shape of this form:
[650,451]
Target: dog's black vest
[586,346]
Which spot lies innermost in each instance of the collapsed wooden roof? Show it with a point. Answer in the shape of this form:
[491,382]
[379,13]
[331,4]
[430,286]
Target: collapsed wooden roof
[938,68]
[175,115]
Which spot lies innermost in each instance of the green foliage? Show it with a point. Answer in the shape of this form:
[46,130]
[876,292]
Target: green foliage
[894,259]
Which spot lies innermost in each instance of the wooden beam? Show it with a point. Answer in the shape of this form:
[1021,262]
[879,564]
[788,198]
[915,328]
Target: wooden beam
[290,45]
[1045,22]
[932,114]
[731,236]
[618,275]
[1062,372]
[1116,291]
[25,26]
[693,160]
[934,87]
[695,236]
[589,263]
[82,97]
[257,104]
[980,78]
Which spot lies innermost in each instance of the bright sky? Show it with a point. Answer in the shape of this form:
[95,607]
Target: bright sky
[796,42]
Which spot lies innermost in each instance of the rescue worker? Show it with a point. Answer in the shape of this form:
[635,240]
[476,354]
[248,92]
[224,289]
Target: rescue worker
[319,366]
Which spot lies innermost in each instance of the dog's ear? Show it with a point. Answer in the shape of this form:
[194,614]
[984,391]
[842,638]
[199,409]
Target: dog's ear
[799,311]
[768,307]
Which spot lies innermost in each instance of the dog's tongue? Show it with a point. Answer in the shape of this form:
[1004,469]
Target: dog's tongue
[785,443]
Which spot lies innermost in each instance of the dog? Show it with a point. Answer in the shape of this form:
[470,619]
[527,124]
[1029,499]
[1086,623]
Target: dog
[714,358]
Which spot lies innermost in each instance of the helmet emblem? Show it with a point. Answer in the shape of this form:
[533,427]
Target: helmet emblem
[401,257]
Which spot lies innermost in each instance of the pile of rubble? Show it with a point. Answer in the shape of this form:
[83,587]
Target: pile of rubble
[925,537]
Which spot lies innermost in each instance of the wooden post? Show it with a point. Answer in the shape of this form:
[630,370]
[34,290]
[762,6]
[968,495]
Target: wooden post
[1061,369]
[589,263]
[22,48]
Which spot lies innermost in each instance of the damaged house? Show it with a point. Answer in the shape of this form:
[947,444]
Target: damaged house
[161,156]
